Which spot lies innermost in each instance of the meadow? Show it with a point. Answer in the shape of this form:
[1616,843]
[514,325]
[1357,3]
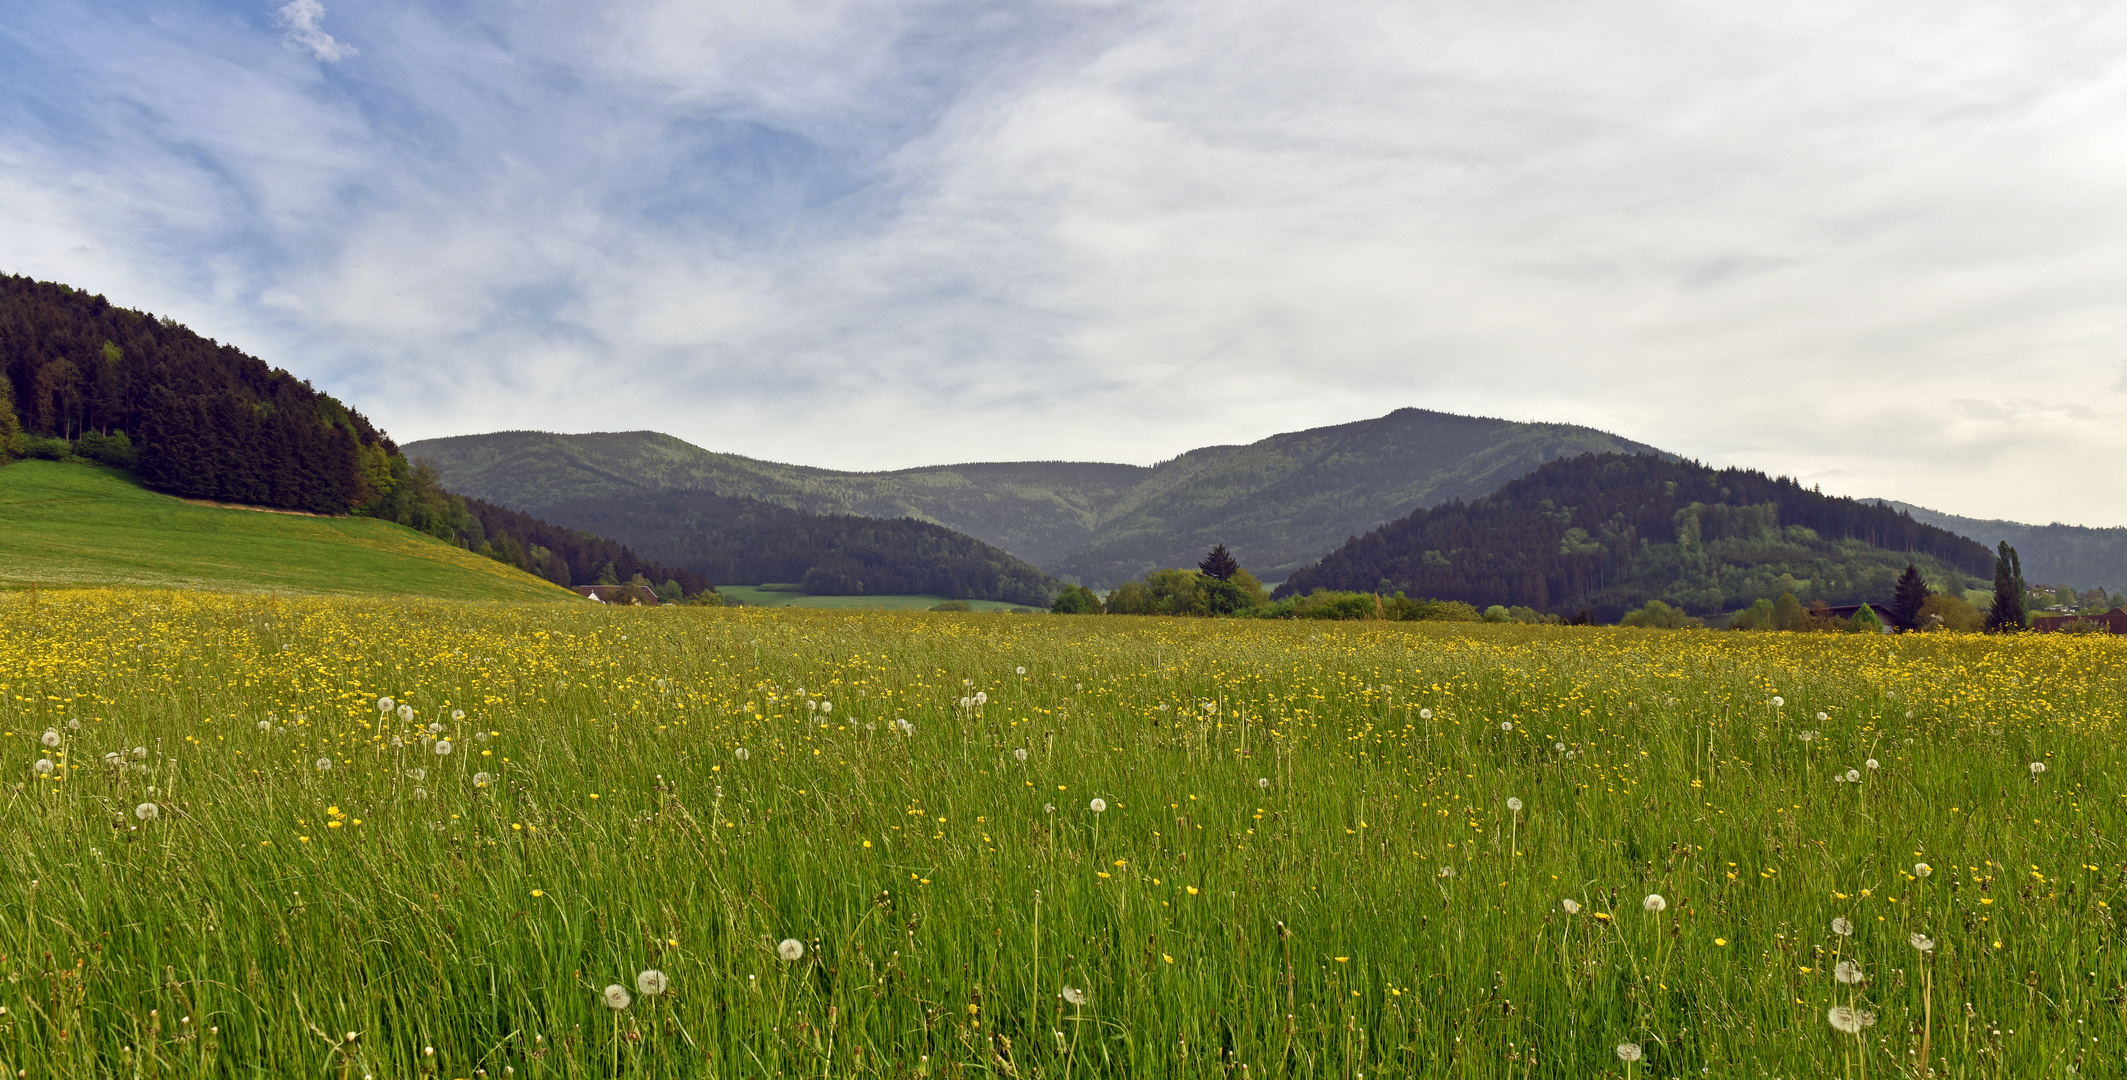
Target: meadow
[251,836]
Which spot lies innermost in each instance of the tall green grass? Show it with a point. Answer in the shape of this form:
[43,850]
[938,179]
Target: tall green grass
[1299,872]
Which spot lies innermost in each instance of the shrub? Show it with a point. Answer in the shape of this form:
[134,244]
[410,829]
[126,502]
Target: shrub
[1660,616]
[115,449]
[1076,600]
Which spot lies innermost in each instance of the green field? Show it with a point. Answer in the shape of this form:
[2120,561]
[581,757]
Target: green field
[755,596]
[66,524]
[885,844]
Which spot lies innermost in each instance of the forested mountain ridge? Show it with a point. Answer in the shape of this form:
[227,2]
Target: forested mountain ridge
[2055,554]
[740,541]
[1608,532]
[1279,502]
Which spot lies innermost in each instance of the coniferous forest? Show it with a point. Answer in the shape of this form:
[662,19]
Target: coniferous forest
[1606,533]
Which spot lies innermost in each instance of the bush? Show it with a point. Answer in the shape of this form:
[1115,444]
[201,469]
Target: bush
[1076,600]
[115,449]
[1657,615]
[46,449]
[1945,612]
[953,605]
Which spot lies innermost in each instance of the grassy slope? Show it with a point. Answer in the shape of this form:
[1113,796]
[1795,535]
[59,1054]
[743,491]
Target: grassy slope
[1280,503]
[71,524]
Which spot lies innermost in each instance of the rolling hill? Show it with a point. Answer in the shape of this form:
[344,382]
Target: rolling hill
[2056,554]
[70,524]
[1608,532]
[1278,503]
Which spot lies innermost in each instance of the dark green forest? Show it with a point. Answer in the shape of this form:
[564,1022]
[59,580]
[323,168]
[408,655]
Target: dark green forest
[741,541]
[1606,533]
[198,419]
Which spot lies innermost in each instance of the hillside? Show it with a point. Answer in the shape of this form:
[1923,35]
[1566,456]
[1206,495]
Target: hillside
[2056,554]
[186,414]
[1608,532]
[739,541]
[69,524]
[1279,503]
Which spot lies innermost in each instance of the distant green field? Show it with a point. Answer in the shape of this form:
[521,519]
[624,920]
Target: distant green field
[755,596]
[67,524]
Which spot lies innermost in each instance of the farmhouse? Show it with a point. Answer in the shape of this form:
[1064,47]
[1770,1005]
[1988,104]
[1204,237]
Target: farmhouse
[619,594]
[2112,622]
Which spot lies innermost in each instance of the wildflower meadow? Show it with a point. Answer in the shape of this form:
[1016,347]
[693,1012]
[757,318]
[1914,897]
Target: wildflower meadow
[248,836]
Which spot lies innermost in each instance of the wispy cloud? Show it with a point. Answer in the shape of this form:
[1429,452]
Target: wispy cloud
[870,233]
[303,20]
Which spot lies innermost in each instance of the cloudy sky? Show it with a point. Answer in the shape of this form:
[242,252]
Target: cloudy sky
[1879,246]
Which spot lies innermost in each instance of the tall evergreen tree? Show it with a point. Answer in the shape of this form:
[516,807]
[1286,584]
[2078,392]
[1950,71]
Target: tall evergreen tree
[1912,592]
[1219,564]
[2007,614]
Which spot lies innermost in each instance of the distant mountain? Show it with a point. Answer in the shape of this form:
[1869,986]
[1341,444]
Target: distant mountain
[2055,554]
[739,541]
[1608,532]
[1278,503]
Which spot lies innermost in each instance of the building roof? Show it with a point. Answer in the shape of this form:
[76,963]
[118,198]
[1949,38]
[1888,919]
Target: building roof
[619,594]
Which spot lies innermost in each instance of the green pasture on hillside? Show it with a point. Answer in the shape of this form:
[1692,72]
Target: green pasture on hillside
[70,525]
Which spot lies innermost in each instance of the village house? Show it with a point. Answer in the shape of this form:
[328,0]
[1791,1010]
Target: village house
[639,595]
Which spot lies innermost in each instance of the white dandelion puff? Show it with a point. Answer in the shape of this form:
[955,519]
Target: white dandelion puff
[406,714]
[1514,804]
[1447,871]
[1628,1052]
[1048,808]
[51,738]
[1822,717]
[265,725]
[616,997]
[417,774]
[1263,782]
[481,779]
[1020,670]
[2036,766]
[1506,725]
[982,697]
[147,811]
[827,706]
[652,983]
[1778,701]
[1560,747]
[433,729]
[1921,869]
[1847,972]
[1844,1018]
[1098,806]
[140,753]
[1425,714]
[457,714]
[1842,927]
[443,747]
[420,793]
[1074,995]
[74,724]
[324,764]
[1805,736]
[1920,941]
[1873,764]
[1853,776]
[1655,903]
[1020,753]
[384,704]
[1571,905]
[791,950]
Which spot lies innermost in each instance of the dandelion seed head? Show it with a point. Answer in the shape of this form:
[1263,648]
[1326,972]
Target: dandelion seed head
[1571,905]
[384,704]
[1098,806]
[1842,927]
[265,725]
[1628,1052]
[1513,804]
[1853,776]
[1074,995]
[324,763]
[616,997]
[51,737]
[1263,782]
[147,811]
[1844,1019]
[406,713]
[2036,766]
[791,950]
[1873,764]
[1655,903]
[1020,670]
[1020,753]
[1921,869]
[742,753]
[1822,717]
[1778,701]
[1425,714]
[1847,972]
[1506,725]
[457,714]
[481,779]
[982,697]
[443,747]
[1920,941]
[652,983]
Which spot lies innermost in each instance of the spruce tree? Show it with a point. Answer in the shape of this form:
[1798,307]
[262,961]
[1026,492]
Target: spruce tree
[2007,614]
[1219,563]
[1912,591]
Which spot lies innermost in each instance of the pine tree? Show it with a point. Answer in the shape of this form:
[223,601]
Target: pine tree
[2007,614]
[1912,591]
[1219,563]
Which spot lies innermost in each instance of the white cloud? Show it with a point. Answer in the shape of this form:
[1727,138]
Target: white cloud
[1878,247]
[303,19]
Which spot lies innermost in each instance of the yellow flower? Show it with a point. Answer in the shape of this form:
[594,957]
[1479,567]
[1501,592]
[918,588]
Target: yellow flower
[1720,941]
[1192,889]
[539,892]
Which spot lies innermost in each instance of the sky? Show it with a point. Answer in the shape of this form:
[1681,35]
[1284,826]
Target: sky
[1880,247]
